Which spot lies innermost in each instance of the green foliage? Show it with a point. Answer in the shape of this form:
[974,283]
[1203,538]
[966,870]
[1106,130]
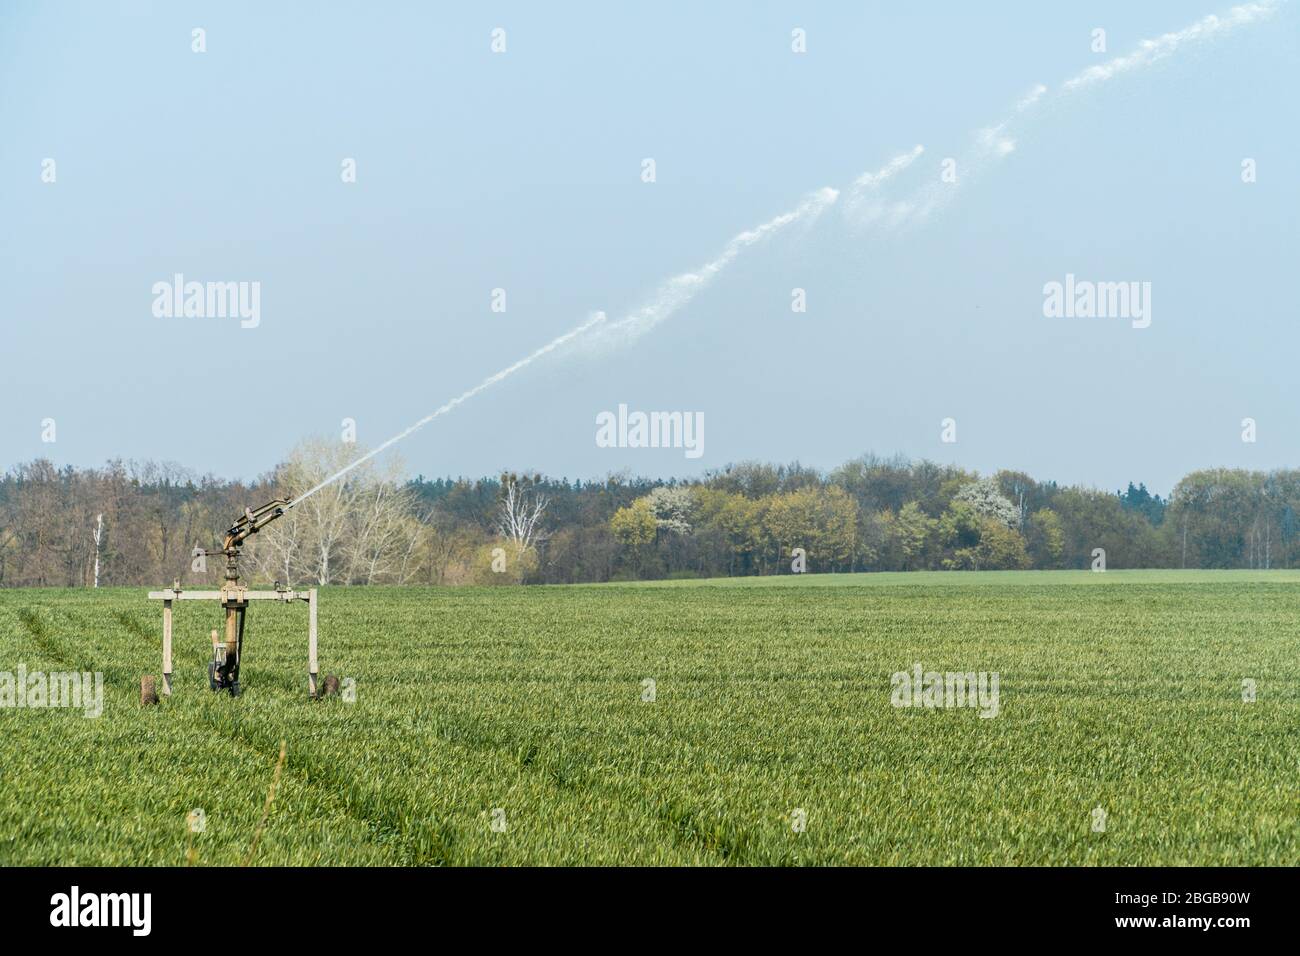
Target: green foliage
[1046,539]
[635,525]
[1001,548]
[910,533]
[822,521]
[1150,506]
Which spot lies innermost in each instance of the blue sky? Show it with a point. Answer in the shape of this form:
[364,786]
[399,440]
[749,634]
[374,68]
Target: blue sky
[522,171]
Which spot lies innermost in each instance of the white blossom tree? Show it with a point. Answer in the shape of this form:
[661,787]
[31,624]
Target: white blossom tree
[986,500]
[672,507]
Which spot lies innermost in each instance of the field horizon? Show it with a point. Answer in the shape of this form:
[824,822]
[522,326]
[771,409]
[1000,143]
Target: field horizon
[864,578]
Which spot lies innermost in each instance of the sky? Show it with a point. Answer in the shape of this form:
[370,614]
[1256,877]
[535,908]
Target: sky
[523,171]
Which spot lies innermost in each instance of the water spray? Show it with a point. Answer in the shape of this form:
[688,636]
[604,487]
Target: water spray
[672,295]
[680,289]
[995,142]
[487,383]
[675,293]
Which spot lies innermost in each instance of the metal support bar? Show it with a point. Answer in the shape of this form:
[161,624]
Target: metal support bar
[311,642]
[284,596]
[234,626]
[167,649]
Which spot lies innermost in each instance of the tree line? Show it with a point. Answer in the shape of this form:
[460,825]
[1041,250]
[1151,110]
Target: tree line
[146,524]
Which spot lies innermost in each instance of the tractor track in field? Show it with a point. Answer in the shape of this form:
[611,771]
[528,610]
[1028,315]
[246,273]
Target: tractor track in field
[686,825]
[40,636]
[311,771]
[320,775]
[52,648]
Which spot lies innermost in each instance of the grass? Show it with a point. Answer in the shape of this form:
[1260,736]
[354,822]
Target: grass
[1120,690]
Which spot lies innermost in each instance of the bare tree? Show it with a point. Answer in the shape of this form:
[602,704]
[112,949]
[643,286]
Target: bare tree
[447,545]
[409,550]
[520,511]
[354,530]
[381,540]
[277,552]
[98,536]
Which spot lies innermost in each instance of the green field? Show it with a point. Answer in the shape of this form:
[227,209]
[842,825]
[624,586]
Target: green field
[1121,690]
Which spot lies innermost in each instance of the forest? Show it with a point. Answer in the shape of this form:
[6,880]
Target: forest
[138,524]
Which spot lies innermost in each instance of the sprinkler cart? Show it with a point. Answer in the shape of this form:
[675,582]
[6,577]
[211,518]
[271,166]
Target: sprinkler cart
[228,650]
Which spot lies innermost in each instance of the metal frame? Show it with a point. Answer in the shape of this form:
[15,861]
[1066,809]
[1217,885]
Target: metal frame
[229,596]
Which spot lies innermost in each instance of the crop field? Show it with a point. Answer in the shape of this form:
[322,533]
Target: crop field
[511,725]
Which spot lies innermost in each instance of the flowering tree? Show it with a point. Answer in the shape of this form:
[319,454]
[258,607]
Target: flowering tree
[987,501]
[672,508]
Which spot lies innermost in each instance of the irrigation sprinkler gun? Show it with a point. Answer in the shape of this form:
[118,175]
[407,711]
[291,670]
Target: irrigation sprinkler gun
[228,647]
[223,670]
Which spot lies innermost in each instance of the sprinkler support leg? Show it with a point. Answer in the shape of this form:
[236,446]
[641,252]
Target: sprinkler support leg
[312,669]
[167,649]
[226,676]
